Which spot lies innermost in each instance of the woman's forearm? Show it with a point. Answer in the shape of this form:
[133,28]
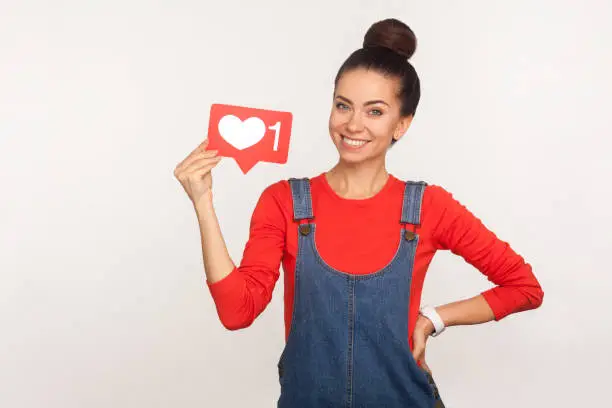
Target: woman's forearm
[217,261]
[475,310]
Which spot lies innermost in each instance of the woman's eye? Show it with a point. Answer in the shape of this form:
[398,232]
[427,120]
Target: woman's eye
[376,112]
[341,106]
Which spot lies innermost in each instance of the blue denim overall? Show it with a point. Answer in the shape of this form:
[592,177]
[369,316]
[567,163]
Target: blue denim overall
[348,341]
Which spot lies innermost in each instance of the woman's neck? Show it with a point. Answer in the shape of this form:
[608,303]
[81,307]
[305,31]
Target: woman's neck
[357,181]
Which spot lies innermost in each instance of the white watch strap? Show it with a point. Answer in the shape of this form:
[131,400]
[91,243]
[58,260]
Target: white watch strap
[431,313]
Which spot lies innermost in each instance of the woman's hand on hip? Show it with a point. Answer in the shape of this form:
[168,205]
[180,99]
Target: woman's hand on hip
[423,329]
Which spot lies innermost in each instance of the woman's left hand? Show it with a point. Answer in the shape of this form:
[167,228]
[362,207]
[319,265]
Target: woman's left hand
[423,329]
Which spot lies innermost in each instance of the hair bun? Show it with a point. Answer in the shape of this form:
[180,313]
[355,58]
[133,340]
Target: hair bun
[393,34]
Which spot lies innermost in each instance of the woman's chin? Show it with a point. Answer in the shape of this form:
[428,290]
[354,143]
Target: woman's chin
[353,158]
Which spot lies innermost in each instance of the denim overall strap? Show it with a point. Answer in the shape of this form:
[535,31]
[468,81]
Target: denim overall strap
[302,200]
[413,197]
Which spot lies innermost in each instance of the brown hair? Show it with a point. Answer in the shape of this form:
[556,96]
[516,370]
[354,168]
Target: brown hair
[387,46]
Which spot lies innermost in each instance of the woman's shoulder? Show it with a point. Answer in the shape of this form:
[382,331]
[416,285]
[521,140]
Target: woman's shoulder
[437,193]
[442,204]
[276,193]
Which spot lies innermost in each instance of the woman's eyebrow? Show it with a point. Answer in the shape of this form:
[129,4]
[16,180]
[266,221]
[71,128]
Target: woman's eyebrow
[365,104]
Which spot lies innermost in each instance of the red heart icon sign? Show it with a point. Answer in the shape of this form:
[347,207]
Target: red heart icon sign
[249,135]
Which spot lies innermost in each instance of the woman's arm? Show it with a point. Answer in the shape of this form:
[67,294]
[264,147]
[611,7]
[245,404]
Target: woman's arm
[515,288]
[241,293]
[475,310]
[217,262]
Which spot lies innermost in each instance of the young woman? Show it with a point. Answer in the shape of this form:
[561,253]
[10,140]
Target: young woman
[355,244]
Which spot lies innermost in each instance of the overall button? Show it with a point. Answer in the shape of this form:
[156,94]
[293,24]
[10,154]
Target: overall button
[409,235]
[305,229]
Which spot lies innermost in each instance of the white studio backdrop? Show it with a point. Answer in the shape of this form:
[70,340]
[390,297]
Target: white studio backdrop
[103,301]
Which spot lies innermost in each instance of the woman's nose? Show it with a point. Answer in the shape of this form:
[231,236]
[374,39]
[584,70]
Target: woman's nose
[355,124]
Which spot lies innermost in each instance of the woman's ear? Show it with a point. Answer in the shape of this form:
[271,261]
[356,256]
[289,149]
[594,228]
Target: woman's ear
[402,127]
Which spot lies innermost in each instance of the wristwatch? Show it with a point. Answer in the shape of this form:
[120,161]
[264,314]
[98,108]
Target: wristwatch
[431,313]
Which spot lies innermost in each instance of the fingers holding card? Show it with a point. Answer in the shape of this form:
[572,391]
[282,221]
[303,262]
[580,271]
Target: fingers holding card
[249,135]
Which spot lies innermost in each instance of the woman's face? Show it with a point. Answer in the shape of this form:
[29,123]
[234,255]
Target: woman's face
[365,115]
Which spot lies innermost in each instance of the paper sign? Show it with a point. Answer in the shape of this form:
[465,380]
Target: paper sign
[249,135]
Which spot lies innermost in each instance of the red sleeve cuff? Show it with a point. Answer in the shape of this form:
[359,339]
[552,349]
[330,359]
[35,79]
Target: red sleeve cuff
[495,303]
[226,285]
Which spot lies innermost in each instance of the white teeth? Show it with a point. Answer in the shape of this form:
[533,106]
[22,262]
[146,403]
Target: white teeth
[352,142]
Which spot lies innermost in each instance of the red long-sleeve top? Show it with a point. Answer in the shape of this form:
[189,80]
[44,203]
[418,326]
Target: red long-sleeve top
[360,236]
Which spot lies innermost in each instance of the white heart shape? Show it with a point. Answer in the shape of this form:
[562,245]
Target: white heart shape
[241,134]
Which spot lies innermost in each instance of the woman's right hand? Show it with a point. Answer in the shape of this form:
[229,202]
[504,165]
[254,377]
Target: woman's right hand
[194,172]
